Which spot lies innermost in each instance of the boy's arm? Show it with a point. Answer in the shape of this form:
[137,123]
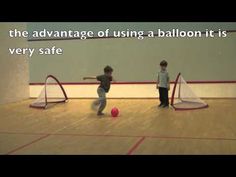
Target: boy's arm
[157,81]
[168,82]
[89,77]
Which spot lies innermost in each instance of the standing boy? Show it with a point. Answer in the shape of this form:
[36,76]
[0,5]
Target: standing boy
[163,85]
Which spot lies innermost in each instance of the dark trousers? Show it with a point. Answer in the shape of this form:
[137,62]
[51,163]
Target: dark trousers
[163,96]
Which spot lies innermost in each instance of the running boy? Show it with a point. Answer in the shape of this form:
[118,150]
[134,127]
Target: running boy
[103,88]
[163,84]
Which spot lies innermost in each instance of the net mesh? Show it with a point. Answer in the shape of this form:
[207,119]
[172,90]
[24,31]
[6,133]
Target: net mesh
[184,98]
[51,93]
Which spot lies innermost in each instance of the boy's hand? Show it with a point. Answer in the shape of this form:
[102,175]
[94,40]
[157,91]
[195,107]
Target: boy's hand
[157,87]
[89,77]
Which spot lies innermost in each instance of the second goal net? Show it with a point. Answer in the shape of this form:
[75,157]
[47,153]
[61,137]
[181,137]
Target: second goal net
[183,97]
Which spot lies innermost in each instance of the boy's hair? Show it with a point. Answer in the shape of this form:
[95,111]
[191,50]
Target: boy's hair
[108,69]
[163,63]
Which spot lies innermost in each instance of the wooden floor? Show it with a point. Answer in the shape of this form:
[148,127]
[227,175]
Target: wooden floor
[141,128]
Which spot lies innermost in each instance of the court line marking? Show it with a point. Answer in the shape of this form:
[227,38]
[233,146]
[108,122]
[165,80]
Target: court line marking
[136,145]
[25,145]
[131,150]
[192,138]
[125,136]
[98,135]
[38,139]
[22,133]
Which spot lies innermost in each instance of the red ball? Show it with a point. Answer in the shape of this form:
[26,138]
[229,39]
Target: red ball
[114,112]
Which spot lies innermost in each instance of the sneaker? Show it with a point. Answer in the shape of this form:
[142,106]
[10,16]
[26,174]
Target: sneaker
[100,114]
[160,105]
[165,106]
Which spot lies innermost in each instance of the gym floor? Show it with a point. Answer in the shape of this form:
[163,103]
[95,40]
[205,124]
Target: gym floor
[141,128]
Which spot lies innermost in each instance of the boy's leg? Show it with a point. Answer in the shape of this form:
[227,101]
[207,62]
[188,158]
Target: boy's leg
[161,96]
[95,105]
[102,100]
[166,99]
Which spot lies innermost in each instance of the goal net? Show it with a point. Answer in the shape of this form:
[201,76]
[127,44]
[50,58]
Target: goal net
[52,92]
[183,97]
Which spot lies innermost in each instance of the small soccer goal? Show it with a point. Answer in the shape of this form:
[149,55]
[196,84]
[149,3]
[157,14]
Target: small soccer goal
[52,93]
[183,97]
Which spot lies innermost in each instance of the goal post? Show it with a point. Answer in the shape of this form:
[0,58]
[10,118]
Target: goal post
[183,97]
[52,92]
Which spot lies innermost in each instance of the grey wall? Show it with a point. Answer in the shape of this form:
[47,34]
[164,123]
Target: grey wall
[137,60]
